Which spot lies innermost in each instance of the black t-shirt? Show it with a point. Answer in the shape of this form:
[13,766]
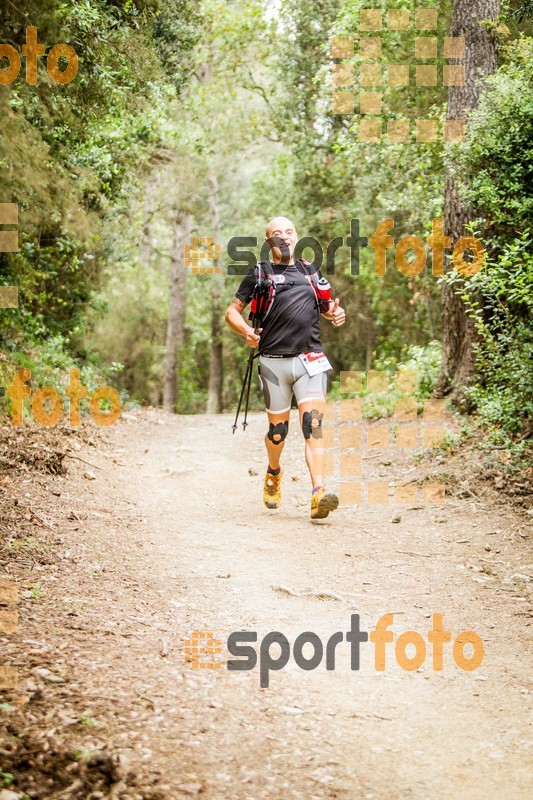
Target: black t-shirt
[292,324]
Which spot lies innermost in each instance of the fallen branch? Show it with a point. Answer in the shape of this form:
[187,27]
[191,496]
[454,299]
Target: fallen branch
[41,520]
[147,700]
[321,595]
[70,455]
[325,594]
[70,790]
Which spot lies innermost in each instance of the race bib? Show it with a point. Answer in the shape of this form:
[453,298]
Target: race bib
[315,363]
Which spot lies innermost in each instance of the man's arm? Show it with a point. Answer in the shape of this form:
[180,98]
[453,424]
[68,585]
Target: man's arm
[236,322]
[336,314]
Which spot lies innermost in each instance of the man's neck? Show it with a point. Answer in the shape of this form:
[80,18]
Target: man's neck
[282,262]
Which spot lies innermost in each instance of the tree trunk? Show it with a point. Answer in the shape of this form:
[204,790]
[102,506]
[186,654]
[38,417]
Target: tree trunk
[214,397]
[145,247]
[176,309]
[458,335]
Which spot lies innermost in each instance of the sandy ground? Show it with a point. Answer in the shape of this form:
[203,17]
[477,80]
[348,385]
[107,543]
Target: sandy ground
[170,537]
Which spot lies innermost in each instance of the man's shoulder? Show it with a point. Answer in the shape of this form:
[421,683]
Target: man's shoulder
[307,267]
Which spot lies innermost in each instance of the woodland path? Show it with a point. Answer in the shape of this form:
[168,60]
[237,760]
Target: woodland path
[171,537]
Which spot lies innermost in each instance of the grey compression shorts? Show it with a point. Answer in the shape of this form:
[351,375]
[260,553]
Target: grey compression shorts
[279,378]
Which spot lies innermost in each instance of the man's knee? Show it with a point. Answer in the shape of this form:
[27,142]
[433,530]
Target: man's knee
[312,424]
[278,433]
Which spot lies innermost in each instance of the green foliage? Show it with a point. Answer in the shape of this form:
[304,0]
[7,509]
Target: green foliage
[504,350]
[448,444]
[170,92]
[88,722]
[73,156]
[495,166]
[329,178]
[316,172]
[176,30]
[6,777]
[423,361]
[84,755]
[518,11]
[36,591]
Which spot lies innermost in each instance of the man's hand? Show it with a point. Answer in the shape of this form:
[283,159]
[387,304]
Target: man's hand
[252,338]
[336,314]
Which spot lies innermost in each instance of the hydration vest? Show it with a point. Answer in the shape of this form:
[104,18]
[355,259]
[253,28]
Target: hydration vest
[265,289]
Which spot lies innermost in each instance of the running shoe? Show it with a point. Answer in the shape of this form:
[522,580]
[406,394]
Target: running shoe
[322,502]
[272,490]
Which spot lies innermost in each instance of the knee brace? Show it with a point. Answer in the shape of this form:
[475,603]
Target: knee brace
[312,424]
[280,431]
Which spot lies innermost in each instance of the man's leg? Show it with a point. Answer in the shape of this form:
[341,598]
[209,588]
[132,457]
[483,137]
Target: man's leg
[275,377]
[311,413]
[278,427]
[311,395]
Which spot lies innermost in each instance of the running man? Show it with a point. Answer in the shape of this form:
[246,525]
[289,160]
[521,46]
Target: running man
[291,359]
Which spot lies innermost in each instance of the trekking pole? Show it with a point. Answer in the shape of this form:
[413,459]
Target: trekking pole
[249,369]
[256,323]
[261,297]
[250,373]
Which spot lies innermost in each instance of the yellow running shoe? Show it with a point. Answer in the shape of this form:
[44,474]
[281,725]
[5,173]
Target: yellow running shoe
[272,490]
[322,502]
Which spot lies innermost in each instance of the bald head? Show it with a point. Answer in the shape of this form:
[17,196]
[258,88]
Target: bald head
[281,228]
[278,226]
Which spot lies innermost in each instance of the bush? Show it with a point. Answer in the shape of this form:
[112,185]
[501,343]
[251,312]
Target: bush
[494,166]
[503,395]
[424,361]
[495,171]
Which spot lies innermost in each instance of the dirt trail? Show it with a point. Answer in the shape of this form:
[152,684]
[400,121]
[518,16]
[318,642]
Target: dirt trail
[171,537]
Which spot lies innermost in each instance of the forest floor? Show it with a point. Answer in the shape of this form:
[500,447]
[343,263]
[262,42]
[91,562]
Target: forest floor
[163,533]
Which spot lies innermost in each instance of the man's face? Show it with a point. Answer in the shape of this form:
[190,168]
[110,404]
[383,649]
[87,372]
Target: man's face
[285,230]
